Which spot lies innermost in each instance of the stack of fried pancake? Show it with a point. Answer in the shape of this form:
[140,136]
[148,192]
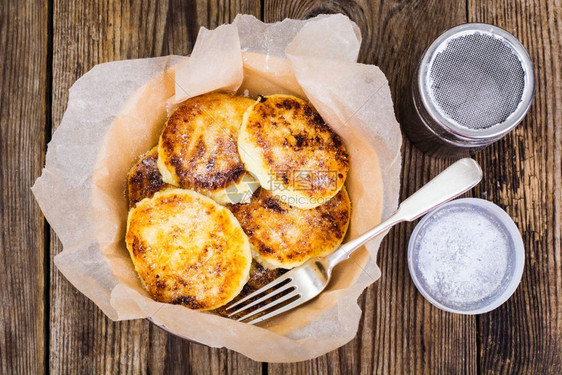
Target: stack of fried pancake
[236,192]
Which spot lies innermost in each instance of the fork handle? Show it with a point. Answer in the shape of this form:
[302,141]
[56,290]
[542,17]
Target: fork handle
[452,182]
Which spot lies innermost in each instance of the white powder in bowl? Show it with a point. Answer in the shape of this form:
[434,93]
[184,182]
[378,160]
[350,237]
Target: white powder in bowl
[462,256]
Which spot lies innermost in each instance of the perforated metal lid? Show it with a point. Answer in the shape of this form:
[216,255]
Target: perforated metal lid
[477,81]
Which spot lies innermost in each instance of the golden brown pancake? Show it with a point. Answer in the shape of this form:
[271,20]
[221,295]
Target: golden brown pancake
[187,249]
[144,179]
[285,143]
[283,236]
[198,148]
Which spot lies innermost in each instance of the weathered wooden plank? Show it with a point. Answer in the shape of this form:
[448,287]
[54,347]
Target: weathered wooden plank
[83,340]
[523,175]
[23,92]
[400,332]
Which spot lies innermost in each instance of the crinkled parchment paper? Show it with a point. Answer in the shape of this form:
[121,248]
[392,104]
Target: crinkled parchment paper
[116,112]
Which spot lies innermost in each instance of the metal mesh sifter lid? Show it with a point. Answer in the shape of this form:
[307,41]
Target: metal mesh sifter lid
[477,81]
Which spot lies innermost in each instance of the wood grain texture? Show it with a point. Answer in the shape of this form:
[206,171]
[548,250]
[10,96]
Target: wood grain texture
[523,175]
[46,46]
[399,332]
[82,339]
[23,110]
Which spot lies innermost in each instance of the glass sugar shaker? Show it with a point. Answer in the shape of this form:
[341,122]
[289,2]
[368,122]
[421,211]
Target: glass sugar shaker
[474,84]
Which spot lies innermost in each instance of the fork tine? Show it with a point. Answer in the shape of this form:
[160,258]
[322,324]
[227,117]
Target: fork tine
[275,282]
[269,295]
[281,310]
[270,305]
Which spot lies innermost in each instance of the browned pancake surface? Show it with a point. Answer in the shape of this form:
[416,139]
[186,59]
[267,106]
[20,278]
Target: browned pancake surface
[283,236]
[292,151]
[144,179]
[198,146]
[259,277]
[187,249]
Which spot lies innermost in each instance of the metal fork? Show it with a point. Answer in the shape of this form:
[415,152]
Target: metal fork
[305,282]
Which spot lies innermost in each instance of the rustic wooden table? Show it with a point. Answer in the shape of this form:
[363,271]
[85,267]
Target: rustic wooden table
[47,326]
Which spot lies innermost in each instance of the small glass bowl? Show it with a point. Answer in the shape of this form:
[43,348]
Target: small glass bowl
[515,256]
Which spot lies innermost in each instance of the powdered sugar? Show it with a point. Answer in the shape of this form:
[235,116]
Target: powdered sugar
[463,256]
